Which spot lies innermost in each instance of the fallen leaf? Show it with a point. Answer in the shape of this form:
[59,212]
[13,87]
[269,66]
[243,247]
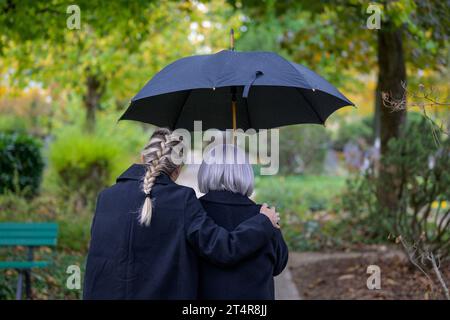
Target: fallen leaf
[346,277]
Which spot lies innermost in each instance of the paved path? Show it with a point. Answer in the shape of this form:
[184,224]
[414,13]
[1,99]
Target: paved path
[299,259]
[285,289]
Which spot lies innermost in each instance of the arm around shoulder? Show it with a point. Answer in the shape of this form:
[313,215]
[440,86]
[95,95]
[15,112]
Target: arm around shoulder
[217,244]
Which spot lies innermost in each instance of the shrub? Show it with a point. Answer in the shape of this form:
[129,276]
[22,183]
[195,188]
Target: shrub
[356,132]
[81,165]
[21,163]
[303,149]
[73,227]
[422,161]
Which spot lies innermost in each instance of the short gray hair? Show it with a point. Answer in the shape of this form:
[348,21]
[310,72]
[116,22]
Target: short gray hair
[226,167]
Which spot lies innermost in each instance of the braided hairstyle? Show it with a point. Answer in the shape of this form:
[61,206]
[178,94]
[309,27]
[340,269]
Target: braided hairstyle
[157,158]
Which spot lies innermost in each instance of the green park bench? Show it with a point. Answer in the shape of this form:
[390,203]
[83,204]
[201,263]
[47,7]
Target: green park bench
[30,235]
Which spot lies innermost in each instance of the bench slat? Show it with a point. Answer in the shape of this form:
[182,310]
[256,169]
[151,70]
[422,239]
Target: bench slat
[28,226]
[28,234]
[23,264]
[28,242]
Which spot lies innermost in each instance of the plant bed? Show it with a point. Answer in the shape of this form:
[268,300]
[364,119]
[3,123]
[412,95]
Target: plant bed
[343,275]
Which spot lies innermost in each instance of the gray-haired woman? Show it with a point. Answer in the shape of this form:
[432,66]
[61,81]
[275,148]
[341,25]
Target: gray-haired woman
[148,231]
[226,178]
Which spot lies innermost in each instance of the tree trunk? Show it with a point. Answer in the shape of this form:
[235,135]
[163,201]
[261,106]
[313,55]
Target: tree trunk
[376,116]
[392,72]
[94,92]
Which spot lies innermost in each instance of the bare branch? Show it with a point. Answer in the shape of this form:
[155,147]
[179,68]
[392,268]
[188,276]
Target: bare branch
[418,255]
[424,98]
[439,275]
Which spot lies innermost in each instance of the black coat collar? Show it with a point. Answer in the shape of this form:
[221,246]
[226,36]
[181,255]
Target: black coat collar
[227,197]
[137,172]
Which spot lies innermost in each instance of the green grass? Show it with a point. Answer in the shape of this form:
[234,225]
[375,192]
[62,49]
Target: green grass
[296,194]
[308,207]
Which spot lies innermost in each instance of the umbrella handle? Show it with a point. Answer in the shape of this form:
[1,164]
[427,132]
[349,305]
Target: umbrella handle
[233,115]
[233,110]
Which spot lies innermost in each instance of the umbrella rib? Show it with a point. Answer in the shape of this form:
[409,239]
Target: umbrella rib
[298,72]
[180,111]
[311,106]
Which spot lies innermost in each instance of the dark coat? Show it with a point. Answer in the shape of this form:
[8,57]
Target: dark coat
[130,261]
[252,278]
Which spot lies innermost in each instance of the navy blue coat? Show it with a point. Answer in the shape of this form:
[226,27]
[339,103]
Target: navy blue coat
[130,261]
[252,278]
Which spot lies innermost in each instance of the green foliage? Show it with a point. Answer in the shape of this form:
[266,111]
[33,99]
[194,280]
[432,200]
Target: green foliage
[306,33]
[82,164]
[364,221]
[128,136]
[331,36]
[146,34]
[422,172]
[303,149]
[424,160]
[9,123]
[306,205]
[21,163]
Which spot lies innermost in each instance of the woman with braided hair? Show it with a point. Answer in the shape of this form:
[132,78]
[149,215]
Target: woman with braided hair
[148,232]
[156,155]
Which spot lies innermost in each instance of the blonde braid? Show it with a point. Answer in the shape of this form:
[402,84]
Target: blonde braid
[157,159]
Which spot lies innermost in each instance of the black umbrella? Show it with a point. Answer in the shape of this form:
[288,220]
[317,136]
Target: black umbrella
[230,89]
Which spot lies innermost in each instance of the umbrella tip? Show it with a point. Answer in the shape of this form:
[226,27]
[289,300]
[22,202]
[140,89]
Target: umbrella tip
[232,39]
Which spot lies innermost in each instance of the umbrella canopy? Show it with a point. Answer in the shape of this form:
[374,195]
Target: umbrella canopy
[268,91]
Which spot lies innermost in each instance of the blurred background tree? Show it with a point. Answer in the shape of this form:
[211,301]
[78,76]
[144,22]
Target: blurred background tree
[116,49]
[334,38]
